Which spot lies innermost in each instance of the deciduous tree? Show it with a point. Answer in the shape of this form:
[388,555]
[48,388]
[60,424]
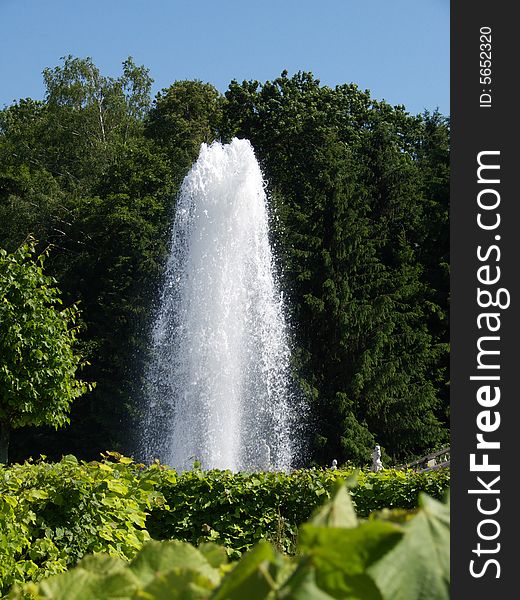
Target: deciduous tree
[38,362]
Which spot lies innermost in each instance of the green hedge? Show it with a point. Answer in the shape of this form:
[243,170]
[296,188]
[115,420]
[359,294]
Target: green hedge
[237,510]
[52,514]
[391,555]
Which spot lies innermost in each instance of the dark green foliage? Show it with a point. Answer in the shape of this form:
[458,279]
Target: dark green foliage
[236,510]
[392,555]
[359,194]
[78,172]
[183,117]
[360,220]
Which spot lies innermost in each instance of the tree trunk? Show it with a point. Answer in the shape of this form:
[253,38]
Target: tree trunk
[4,443]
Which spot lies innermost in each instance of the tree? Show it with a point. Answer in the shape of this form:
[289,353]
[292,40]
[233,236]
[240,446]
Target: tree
[38,363]
[91,174]
[77,171]
[89,112]
[349,180]
[183,117]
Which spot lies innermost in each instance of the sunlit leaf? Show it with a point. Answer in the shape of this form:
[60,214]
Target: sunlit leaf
[250,578]
[419,566]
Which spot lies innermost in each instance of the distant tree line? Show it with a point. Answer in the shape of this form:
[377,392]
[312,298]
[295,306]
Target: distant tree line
[359,192]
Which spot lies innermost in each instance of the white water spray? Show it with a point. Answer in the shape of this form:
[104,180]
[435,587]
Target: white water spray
[218,384]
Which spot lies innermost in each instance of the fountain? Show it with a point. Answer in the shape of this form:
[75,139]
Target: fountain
[218,387]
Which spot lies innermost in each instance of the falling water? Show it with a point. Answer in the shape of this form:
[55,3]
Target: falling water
[218,385]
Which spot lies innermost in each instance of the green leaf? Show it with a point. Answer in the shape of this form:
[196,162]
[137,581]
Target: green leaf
[250,578]
[339,512]
[216,555]
[302,586]
[419,566]
[36,494]
[177,584]
[161,557]
[341,556]
[102,564]
[103,579]
[116,486]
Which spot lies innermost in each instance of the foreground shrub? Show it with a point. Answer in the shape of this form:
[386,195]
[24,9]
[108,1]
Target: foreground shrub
[391,555]
[53,514]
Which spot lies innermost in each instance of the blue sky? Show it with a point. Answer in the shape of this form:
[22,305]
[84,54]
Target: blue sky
[397,49]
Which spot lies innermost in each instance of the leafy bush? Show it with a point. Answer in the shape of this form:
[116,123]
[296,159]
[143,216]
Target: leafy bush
[389,556]
[391,488]
[237,510]
[53,514]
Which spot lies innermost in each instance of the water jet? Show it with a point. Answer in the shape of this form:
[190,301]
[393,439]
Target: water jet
[218,384]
